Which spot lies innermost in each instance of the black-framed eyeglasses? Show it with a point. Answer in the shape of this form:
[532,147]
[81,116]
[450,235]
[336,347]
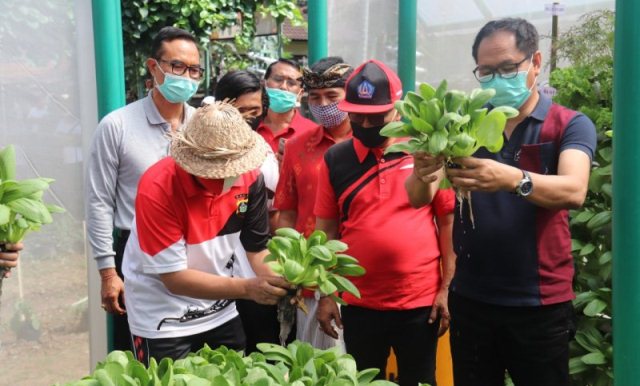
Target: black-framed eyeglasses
[179,68]
[506,71]
[279,79]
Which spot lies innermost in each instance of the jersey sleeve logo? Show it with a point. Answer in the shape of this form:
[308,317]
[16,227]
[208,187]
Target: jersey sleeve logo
[242,204]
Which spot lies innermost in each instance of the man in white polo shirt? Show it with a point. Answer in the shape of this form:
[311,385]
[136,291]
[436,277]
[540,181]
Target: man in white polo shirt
[193,210]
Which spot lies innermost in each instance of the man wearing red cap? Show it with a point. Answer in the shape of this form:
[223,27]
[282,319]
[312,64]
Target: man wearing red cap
[361,200]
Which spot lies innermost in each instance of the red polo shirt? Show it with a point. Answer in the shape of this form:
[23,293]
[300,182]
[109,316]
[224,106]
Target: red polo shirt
[185,223]
[396,244]
[297,126]
[298,181]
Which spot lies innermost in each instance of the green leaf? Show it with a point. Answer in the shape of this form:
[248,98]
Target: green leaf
[594,307]
[441,90]
[276,352]
[8,163]
[350,270]
[401,147]
[395,129]
[336,246]
[346,259]
[327,287]
[594,358]
[426,91]
[577,366]
[599,220]
[345,284]
[288,233]
[479,98]
[490,131]
[587,249]
[5,214]
[292,269]
[509,112]
[32,210]
[421,125]
[438,142]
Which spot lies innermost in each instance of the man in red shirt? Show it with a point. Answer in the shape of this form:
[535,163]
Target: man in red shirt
[194,210]
[362,201]
[303,155]
[283,84]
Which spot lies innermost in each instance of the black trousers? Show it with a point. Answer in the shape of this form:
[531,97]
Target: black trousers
[121,337]
[229,334]
[531,343]
[369,335]
[260,323]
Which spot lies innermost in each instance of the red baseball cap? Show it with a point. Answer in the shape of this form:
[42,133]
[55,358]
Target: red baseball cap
[372,88]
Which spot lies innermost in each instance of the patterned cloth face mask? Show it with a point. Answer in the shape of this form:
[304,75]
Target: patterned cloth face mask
[328,115]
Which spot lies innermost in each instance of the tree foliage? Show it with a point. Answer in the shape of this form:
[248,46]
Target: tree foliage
[142,19]
[587,86]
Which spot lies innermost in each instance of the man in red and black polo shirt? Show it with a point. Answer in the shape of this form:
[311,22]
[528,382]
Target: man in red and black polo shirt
[361,200]
[303,156]
[193,211]
[510,299]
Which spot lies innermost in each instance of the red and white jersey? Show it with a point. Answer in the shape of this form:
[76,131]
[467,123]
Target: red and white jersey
[180,224]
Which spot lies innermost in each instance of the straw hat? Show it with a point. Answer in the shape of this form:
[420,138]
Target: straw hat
[217,143]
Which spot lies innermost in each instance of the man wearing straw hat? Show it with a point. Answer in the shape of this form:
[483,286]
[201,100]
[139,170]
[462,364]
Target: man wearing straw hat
[193,210]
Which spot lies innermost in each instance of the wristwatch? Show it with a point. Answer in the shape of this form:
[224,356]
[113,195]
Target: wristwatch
[525,186]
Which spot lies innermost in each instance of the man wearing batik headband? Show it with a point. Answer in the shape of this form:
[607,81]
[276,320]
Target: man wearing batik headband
[296,191]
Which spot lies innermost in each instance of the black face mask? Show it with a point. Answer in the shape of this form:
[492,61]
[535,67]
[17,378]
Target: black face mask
[253,122]
[369,136]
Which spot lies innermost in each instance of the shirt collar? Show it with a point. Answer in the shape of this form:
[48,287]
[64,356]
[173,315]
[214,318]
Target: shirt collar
[362,151]
[318,135]
[153,115]
[542,108]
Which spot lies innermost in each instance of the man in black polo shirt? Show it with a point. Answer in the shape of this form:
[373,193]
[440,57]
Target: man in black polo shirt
[510,298]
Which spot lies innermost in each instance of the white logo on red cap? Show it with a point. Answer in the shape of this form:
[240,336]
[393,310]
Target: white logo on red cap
[366,90]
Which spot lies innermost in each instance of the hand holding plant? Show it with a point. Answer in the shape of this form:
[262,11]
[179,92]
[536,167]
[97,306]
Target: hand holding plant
[21,207]
[313,263]
[448,124]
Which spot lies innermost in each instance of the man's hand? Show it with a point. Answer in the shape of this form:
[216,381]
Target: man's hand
[485,175]
[328,311]
[267,289]
[425,166]
[441,308]
[9,258]
[112,291]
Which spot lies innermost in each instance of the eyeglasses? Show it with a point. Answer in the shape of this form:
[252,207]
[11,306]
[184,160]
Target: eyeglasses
[279,79]
[373,119]
[179,68]
[506,71]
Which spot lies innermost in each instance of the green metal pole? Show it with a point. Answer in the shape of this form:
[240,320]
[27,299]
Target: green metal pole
[407,44]
[318,46]
[626,200]
[107,37]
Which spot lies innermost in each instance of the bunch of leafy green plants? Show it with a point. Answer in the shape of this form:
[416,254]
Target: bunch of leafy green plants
[21,207]
[299,364]
[586,85]
[451,123]
[313,263]
[448,122]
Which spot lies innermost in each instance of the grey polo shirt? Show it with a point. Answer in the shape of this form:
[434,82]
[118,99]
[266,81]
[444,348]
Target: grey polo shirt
[126,142]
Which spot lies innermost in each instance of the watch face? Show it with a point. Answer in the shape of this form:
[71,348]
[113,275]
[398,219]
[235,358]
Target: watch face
[525,188]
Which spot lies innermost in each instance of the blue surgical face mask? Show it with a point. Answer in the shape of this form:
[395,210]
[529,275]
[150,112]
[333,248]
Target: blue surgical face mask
[177,89]
[281,101]
[511,92]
